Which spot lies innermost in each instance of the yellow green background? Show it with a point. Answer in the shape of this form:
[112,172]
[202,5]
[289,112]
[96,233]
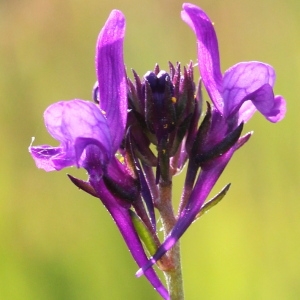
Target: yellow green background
[57,242]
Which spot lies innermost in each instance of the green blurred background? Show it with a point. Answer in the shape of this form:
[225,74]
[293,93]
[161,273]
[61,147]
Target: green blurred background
[57,242]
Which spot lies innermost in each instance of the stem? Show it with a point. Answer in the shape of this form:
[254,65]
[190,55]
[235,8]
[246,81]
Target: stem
[174,274]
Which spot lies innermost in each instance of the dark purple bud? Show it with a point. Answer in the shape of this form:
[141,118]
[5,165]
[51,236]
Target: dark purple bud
[172,71]
[202,134]
[135,95]
[221,148]
[119,181]
[160,110]
[192,132]
[181,130]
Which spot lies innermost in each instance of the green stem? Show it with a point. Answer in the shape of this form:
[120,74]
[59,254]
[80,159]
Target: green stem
[174,274]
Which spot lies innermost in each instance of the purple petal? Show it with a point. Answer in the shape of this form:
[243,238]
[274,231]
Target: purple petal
[203,186]
[208,51]
[75,124]
[243,79]
[123,220]
[246,112]
[273,108]
[111,75]
[50,158]
[278,110]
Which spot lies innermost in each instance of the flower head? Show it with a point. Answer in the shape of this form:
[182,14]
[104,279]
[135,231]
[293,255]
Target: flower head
[162,110]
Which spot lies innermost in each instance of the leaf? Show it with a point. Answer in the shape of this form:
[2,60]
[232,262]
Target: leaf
[143,232]
[214,201]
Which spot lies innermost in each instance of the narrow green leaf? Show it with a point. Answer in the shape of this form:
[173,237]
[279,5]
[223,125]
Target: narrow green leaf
[214,201]
[143,232]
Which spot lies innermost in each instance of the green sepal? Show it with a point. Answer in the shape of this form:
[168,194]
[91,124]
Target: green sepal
[214,201]
[143,232]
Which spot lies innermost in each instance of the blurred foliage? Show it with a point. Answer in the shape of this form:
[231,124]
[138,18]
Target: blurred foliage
[58,243]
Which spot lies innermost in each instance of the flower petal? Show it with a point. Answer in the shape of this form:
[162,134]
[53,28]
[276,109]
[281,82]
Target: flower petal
[50,158]
[279,109]
[273,108]
[111,75]
[208,51]
[75,124]
[243,79]
[246,111]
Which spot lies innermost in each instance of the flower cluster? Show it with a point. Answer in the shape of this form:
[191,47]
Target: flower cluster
[139,134]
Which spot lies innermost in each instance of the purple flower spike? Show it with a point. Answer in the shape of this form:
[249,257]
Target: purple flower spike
[139,134]
[244,88]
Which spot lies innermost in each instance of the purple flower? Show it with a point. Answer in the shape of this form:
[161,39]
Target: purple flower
[236,95]
[91,134]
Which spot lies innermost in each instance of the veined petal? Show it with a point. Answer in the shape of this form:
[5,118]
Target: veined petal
[208,51]
[243,79]
[50,158]
[111,75]
[75,124]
